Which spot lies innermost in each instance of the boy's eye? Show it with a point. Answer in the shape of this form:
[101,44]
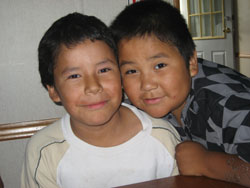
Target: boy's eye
[74,76]
[130,72]
[160,65]
[104,70]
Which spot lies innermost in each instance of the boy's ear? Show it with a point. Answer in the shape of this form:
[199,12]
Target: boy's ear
[53,94]
[193,64]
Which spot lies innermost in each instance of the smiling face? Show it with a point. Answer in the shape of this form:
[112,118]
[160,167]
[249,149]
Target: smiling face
[87,83]
[154,75]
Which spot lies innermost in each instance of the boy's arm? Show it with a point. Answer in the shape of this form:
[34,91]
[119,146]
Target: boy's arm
[35,173]
[193,159]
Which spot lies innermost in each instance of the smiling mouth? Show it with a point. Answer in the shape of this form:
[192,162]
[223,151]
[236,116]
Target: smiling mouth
[152,100]
[96,106]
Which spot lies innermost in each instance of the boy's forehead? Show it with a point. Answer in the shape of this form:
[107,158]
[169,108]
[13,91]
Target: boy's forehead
[147,47]
[145,42]
[98,49]
[86,42]
[136,37]
[144,39]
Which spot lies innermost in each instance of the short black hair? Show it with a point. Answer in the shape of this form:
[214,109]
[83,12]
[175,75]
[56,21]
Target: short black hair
[69,30]
[158,18]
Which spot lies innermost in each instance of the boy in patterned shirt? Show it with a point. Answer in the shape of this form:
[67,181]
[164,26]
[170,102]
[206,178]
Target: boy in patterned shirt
[208,103]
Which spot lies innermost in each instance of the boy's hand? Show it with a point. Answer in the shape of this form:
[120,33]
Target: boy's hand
[191,158]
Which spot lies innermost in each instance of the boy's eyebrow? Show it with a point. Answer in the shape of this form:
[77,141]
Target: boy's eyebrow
[159,55]
[68,70]
[72,69]
[125,63]
[106,61]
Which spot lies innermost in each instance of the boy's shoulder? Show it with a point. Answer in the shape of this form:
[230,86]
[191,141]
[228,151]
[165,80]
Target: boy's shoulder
[164,129]
[217,78]
[220,73]
[155,123]
[166,134]
[50,134]
[158,127]
[48,144]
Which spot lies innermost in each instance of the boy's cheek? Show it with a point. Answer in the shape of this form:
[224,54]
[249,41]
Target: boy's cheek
[130,91]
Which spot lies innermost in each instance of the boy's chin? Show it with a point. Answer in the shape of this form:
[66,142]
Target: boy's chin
[156,114]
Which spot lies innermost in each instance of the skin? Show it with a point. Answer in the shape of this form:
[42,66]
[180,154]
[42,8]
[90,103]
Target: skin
[156,80]
[193,159]
[154,75]
[87,83]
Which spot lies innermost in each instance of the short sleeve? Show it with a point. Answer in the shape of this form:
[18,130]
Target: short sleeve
[164,132]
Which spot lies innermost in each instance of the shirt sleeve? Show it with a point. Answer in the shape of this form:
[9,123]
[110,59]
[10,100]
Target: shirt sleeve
[169,137]
[42,156]
[35,174]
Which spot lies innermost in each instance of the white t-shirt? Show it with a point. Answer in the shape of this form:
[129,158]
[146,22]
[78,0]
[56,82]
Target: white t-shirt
[64,160]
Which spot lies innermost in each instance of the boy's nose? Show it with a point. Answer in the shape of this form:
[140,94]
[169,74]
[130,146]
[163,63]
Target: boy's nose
[92,86]
[148,83]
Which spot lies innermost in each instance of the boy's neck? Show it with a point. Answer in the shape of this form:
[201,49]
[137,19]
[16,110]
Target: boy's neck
[177,113]
[122,127]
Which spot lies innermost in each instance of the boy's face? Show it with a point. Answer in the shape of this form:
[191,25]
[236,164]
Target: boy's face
[154,75]
[87,83]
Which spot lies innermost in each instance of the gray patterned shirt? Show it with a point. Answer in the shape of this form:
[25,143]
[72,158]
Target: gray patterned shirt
[217,112]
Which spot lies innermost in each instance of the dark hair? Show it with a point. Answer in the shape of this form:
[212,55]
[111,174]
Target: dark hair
[158,18]
[69,30]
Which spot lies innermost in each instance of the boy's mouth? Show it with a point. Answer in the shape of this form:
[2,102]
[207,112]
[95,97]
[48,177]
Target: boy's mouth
[153,100]
[97,105]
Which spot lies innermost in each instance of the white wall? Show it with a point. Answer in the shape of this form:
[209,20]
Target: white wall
[11,159]
[22,97]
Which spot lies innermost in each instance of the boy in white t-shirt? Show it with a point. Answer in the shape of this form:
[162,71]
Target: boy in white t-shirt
[99,142]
